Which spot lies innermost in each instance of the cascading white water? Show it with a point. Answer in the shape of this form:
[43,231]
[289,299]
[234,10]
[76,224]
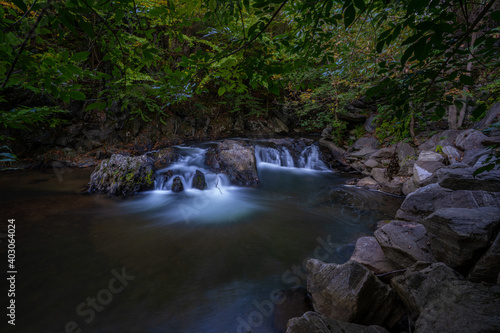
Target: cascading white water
[190,160]
[277,156]
[309,158]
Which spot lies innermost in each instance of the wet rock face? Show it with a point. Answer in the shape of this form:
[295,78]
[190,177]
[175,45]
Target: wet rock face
[445,302]
[404,243]
[177,185]
[199,181]
[351,292]
[369,253]
[487,269]
[426,200]
[460,235]
[122,175]
[237,160]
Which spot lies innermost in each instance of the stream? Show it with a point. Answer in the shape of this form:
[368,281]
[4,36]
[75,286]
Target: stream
[195,261]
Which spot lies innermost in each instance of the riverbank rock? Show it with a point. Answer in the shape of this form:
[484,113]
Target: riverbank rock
[487,269]
[443,301]
[351,292]
[470,139]
[164,156]
[404,243]
[458,236]
[122,175]
[236,159]
[369,253]
[199,181]
[369,183]
[314,322]
[443,139]
[426,200]
[462,177]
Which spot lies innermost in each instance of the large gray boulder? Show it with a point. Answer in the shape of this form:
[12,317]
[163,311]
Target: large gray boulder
[460,235]
[405,152]
[471,156]
[351,292]
[443,301]
[336,152]
[123,175]
[313,322]
[445,138]
[404,243]
[364,142]
[369,253]
[470,139]
[369,183]
[426,200]
[393,186]
[453,154]
[462,178]
[487,269]
[236,159]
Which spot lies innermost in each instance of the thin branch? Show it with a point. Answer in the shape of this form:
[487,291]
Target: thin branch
[242,22]
[247,43]
[24,15]
[105,22]
[456,45]
[25,42]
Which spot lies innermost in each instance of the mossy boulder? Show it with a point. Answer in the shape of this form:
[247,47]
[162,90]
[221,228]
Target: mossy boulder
[199,181]
[123,175]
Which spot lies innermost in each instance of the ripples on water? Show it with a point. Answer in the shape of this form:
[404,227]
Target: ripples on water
[203,261]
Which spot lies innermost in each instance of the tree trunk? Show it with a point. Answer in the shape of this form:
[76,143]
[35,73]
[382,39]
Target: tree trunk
[452,117]
[469,70]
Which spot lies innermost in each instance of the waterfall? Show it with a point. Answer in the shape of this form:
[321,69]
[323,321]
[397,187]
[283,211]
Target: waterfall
[190,159]
[277,156]
[309,158]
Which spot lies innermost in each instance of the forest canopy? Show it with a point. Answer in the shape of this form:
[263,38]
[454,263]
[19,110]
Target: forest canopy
[420,59]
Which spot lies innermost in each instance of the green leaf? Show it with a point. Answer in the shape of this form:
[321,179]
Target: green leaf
[496,15]
[349,15]
[78,95]
[467,80]
[380,46]
[119,15]
[96,105]
[407,55]
[80,56]
[360,4]
[221,90]
[86,27]
[20,3]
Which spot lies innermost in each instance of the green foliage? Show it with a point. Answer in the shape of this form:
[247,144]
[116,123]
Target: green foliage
[23,117]
[318,55]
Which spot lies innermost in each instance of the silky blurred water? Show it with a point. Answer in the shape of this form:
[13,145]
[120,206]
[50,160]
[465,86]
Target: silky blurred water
[197,261]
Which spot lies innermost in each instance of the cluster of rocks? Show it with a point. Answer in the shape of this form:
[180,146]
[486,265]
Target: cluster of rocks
[122,175]
[400,169]
[438,263]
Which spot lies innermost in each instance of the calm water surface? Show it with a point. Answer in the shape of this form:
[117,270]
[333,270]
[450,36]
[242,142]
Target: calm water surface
[198,261]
